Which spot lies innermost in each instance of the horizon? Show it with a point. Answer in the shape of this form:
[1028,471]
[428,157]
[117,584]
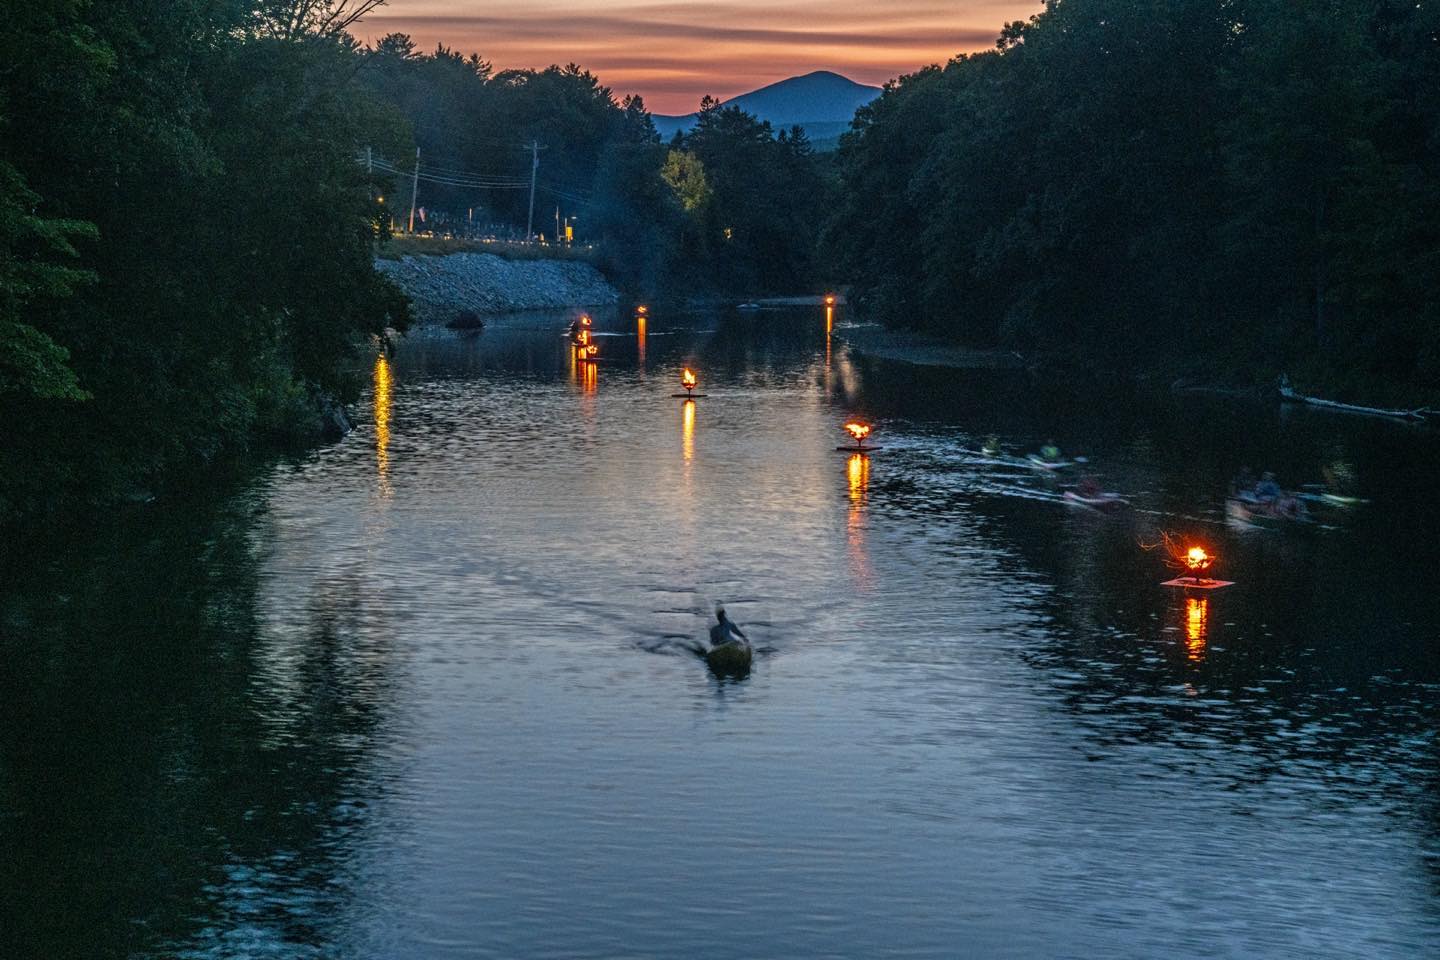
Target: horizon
[735,47]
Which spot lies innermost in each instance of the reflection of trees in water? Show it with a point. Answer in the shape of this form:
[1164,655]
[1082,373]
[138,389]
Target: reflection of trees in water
[173,778]
[1314,672]
[1295,679]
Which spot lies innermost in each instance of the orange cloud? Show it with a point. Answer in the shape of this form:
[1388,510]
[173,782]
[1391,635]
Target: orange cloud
[673,53]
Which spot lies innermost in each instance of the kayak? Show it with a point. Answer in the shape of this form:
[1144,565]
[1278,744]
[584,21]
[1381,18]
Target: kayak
[1040,463]
[1253,513]
[730,659]
[1105,501]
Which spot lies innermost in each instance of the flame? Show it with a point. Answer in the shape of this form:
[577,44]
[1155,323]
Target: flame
[829,299]
[592,350]
[1193,560]
[582,337]
[1197,560]
[1197,616]
[858,430]
[584,319]
[642,310]
[688,380]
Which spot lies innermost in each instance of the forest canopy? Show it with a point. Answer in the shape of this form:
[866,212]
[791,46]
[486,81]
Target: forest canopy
[1226,188]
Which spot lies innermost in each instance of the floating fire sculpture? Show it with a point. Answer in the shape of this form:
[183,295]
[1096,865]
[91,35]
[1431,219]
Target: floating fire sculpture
[642,310]
[829,299]
[584,319]
[859,431]
[582,338]
[689,381]
[1192,561]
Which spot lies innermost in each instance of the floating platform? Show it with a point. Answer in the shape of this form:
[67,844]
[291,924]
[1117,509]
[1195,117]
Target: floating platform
[1190,583]
[688,396]
[857,449]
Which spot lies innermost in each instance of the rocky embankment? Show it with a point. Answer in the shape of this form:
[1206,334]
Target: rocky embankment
[448,288]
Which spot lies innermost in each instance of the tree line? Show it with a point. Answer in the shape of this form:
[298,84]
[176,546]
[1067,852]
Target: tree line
[1219,188]
[732,205]
[187,226]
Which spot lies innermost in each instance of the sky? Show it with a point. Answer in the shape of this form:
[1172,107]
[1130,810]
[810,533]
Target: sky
[674,52]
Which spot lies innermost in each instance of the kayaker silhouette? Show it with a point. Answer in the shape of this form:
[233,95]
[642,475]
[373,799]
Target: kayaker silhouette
[730,651]
[724,630]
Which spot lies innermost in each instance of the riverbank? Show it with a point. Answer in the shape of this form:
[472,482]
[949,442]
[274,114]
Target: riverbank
[874,340]
[446,287]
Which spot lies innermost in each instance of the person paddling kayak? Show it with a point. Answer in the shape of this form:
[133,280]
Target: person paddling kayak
[730,651]
[724,630]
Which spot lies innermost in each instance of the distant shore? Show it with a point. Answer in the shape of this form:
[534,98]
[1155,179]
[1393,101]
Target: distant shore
[907,347]
[442,288]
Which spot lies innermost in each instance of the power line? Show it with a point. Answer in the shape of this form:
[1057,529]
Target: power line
[451,178]
[497,182]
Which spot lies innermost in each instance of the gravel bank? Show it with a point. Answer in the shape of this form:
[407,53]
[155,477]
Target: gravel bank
[442,287]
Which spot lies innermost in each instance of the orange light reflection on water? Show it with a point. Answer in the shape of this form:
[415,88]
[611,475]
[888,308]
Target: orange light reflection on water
[382,401]
[1197,626]
[640,341]
[857,472]
[687,429]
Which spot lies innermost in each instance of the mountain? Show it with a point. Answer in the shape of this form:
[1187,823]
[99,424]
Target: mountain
[822,102]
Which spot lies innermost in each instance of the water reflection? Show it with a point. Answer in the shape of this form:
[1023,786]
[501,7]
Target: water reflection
[381,402]
[1197,617]
[857,472]
[687,429]
[640,331]
[197,785]
[435,736]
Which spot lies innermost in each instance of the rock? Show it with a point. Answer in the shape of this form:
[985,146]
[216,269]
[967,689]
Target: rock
[466,320]
[334,423]
[443,288]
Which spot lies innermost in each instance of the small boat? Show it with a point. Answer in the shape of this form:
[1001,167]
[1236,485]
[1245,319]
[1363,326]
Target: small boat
[1099,501]
[730,659]
[730,652]
[1040,463]
[1256,513]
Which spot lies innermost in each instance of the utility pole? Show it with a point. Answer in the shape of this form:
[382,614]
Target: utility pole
[534,168]
[414,189]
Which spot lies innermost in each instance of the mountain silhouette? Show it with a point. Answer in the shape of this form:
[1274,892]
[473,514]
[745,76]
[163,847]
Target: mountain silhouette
[822,102]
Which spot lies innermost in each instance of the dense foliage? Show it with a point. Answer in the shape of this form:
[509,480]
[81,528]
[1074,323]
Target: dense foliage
[188,221]
[1207,186]
[185,236]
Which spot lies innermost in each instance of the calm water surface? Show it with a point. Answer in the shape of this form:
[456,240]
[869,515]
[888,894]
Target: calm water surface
[428,692]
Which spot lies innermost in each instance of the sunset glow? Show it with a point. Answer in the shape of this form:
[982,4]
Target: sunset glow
[673,53]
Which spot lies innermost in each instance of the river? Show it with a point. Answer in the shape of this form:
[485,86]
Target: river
[428,692]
